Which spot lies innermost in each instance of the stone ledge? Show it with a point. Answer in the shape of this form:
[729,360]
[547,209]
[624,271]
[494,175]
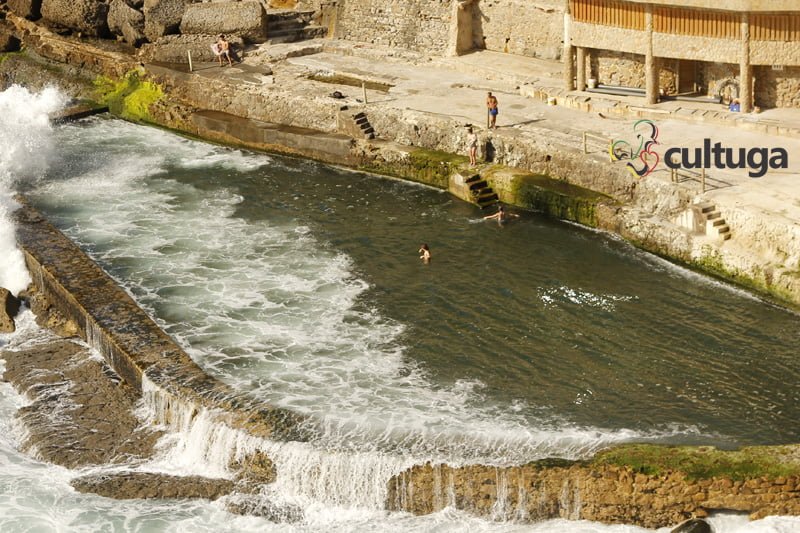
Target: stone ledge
[132,344]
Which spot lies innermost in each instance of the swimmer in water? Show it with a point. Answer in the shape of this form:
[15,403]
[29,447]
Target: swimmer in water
[501,215]
[425,253]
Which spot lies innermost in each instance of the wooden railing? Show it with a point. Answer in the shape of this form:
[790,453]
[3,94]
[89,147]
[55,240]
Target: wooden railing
[771,27]
[694,22]
[608,13]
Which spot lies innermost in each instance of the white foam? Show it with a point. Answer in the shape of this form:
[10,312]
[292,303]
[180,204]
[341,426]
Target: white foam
[26,144]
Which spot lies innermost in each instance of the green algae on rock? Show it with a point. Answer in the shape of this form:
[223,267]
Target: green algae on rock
[129,97]
[705,462]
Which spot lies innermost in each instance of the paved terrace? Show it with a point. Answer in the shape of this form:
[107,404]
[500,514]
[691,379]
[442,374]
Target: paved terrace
[456,87]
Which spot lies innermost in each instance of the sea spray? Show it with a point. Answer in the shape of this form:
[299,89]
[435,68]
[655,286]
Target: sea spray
[26,142]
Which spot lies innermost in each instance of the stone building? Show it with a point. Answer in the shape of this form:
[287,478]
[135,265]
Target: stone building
[745,49]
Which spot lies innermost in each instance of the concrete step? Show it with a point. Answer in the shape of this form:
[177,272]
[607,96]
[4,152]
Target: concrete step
[707,207]
[275,15]
[486,199]
[368,131]
[362,120]
[471,179]
[369,136]
[478,185]
[718,222]
[291,36]
[712,215]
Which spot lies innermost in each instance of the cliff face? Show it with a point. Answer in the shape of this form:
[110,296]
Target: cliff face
[602,493]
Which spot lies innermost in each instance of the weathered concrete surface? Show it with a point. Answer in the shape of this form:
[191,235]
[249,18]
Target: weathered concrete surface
[81,412]
[129,340]
[142,485]
[609,494]
[328,147]
[246,19]
[173,48]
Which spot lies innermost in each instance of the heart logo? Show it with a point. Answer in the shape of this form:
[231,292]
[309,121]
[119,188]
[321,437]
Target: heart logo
[650,161]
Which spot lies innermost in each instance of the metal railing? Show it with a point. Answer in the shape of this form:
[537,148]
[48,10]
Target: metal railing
[680,174]
[596,140]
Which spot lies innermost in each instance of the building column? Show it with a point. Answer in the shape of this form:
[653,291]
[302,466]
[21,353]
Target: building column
[650,63]
[581,72]
[745,69]
[460,39]
[569,51]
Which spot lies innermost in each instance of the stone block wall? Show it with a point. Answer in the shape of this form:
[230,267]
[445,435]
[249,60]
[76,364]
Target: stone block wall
[777,88]
[521,27]
[420,25]
[617,68]
[668,75]
[774,53]
[716,78]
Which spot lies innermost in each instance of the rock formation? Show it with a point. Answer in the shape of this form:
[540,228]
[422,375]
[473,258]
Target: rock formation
[245,19]
[85,16]
[163,17]
[140,485]
[126,21]
[9,304]
[81,413]
[30,9]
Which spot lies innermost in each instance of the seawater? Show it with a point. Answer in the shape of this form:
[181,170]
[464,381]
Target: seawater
[300,284]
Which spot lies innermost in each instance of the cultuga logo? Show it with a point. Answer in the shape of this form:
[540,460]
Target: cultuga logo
[643,160]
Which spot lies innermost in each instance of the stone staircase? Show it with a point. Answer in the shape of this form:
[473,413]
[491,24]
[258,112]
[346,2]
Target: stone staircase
[481,193]
[715,224]
[362,123]
[288,26]
[354,123]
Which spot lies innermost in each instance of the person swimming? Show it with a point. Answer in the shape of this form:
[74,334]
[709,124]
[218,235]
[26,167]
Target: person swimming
[425,253]
[501,215]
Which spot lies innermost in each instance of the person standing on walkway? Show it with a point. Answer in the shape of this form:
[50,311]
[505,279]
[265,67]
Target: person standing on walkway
[472,139]
[491,106]
[224,50]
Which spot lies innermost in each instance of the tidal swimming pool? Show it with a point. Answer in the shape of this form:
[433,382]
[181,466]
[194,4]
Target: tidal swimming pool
[300,283]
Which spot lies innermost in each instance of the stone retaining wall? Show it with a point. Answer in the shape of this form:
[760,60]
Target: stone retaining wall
[609,494]
[421,25]
[521,27]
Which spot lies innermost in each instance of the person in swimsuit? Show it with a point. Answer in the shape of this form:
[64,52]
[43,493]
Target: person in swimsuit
[491,105]
[425,253]
[501,215]
[473,146]
[223,48]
